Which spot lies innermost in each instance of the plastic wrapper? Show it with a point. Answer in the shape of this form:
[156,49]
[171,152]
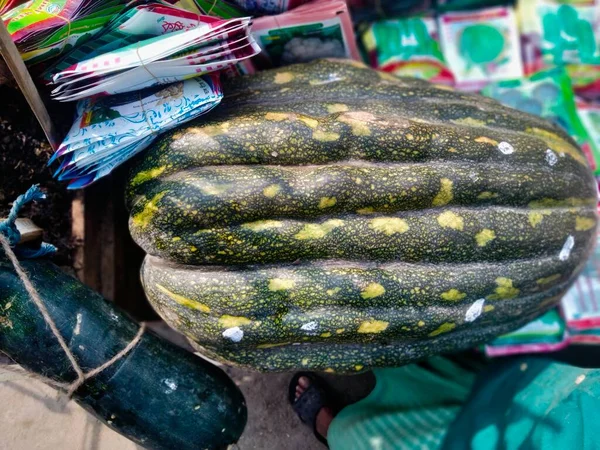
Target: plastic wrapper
[585,80]
[7,5]
[134,24]
[42,30]
[559,32]
[216,8]
[547,94]
[315,30]
[407,47]
[209,47]
[110,130]
[474,65]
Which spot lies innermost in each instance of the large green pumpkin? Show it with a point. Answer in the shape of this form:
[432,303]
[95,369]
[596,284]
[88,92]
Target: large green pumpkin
[330,217]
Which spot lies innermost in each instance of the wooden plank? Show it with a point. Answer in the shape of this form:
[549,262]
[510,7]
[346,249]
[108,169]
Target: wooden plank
[15,64]
[29,230]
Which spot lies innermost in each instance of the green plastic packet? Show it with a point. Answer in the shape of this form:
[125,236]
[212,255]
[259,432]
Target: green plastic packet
[407,47]
[548,94]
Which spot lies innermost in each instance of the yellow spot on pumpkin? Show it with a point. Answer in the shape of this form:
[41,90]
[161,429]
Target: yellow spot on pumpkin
[535,218]
[281,284]
[262,225]
[366,211]
[340,330]
[389,225]
[147,175]
[271,191]
[373,326]
[304,361]
[283,77]
[184,301]
[584,223]
[452,150]
[176,239]
[571,201]
[487,140]
[486,195]
[387,76]
[358,122]
[333,291]
[445,195]
[548,280]
[327,202]
[326,334]
[211,130]
[358,367]
[470,122]
[558,144]
[488,308]
[312,123]
[227,321]
[329,370]
[443,328]
[484,237]
[193,249]
[421,323]
[277,116]
[144,217]
[318,231]
[325,136]
[453,295]
[372,290]
[333,108]
[279,344]
[505,290]
[449,219]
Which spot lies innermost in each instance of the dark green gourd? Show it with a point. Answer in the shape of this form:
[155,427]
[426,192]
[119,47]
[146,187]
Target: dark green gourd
[331,217]
[158,395]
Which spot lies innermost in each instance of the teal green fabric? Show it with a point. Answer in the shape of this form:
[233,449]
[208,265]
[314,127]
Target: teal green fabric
[411,407]
[530,403]
[523,403]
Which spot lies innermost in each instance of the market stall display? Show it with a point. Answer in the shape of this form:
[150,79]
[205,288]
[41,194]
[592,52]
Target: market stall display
[351,194]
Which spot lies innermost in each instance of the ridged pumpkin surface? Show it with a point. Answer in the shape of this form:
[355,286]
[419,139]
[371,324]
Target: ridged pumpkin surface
[328,216]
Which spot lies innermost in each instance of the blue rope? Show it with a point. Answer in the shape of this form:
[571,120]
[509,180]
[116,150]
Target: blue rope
[9,228]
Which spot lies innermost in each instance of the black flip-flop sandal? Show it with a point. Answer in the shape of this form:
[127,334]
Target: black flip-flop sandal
[308,405]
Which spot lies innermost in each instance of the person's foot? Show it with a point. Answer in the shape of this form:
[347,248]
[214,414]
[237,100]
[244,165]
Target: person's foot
[325,414]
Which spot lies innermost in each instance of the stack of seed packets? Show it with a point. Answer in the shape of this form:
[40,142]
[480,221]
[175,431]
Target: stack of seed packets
[138,22]
[42,30]
[110,130]
[209,47]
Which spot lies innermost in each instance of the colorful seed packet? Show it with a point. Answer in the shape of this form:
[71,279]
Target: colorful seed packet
[110,130]
[547,94]
[589,114]
[543,335]
[216,8]
[581,305]
[559,32]
[42,30]
[407,47]
[315,30]
[371,10]
[481,46]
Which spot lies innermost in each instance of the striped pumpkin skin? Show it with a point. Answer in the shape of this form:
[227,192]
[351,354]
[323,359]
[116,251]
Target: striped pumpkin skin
[326,209]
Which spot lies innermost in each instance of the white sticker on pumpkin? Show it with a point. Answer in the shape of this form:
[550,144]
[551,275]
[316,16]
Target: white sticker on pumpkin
[235,334]
[567,247]
[551,157]
[474,310]
[310,326]
[506,148]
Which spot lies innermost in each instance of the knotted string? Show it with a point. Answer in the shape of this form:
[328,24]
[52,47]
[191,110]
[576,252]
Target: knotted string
[9,237]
